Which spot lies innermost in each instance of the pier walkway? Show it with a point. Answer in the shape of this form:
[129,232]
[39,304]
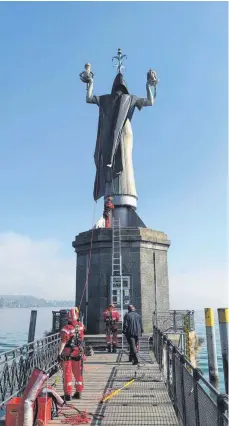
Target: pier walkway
[145,401]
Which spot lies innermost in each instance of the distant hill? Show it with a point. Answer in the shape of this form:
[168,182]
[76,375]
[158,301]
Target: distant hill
[26,301]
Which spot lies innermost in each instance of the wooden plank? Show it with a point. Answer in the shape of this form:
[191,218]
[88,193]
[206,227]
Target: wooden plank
[145,402]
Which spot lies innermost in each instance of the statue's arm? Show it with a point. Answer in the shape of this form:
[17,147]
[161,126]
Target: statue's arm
[90,98]
[149,100]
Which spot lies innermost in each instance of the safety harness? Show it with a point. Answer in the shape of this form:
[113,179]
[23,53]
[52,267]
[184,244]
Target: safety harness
[110,322]
[107,209]
[74,341]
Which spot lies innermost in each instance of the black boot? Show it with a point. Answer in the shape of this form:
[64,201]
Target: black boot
[67,397]
[135,360]
[77,395]
[114,349]
[109,348]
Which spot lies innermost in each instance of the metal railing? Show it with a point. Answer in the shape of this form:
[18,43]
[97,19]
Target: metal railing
[195,401]
[174,321]
[17,365]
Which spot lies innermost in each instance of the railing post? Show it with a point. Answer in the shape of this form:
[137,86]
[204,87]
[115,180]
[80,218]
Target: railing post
[158,346]
[223,316]
[161,340]
[155,342]
[168,365]
[182,363]
[174,380]
[164,357]
[174,321]
[211,347]
[195,392]
[221,404]
[156,332]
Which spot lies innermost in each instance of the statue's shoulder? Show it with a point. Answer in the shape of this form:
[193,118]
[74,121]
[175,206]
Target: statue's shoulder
[105,97]
[105,101]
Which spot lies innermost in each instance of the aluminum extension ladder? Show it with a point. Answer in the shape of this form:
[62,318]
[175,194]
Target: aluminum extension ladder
[117,280]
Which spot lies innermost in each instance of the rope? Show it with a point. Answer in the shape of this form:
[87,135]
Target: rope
[93,220]
[81,417]
[90,255]
[111,189]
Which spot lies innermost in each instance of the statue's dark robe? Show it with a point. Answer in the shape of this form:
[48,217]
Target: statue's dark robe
[114,110]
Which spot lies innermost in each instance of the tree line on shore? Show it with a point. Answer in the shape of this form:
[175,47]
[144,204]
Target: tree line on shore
[26,301]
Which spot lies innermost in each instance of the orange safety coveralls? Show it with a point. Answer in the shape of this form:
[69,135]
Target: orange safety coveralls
[74,350]
[111,318]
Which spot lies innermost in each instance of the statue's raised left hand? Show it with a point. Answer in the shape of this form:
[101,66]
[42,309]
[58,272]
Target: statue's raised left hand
[152,78]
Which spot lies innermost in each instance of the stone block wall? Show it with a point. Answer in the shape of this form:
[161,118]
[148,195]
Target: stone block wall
[138,248]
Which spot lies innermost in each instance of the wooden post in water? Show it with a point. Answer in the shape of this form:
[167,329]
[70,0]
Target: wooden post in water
[211,347]
[32,326]
[32,329]
[223,316]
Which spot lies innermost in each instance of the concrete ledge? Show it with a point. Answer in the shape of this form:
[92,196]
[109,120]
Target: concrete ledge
[103,235]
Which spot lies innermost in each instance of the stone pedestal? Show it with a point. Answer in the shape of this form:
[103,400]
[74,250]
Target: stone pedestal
[138,248]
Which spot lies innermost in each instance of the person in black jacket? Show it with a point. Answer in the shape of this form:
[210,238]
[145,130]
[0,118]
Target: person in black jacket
[132,328]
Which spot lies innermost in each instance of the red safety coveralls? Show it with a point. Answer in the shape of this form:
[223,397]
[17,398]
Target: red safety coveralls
[111,318]
[73,336]
[107,213]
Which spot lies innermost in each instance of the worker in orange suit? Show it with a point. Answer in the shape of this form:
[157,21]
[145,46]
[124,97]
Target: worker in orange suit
[111,318]
[107,214]
[71,354]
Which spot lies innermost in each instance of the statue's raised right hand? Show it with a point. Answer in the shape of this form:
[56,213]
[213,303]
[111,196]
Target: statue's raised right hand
[87,76]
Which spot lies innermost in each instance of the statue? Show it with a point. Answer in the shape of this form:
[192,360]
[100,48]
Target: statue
[114,144]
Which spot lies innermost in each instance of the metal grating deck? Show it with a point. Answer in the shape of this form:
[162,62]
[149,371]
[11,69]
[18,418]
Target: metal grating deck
[144,402]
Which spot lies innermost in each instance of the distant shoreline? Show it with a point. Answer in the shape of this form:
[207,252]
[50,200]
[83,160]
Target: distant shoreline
[27,301]
[40,306]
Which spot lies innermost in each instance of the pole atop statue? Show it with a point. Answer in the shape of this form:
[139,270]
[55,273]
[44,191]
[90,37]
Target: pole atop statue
[114,144]
[119,64]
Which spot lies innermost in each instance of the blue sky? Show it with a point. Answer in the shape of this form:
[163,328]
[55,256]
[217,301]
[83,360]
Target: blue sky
[48,132]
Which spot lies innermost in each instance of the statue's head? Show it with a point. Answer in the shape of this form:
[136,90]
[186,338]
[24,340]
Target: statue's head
[119,85]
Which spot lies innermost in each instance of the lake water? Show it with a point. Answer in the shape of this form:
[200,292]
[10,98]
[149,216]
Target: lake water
[14,325]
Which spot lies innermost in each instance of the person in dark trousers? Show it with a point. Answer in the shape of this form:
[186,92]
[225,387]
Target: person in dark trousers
[132,328]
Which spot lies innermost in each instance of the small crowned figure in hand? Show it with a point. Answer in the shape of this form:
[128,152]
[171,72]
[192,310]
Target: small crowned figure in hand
[152,78]
[86,76]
